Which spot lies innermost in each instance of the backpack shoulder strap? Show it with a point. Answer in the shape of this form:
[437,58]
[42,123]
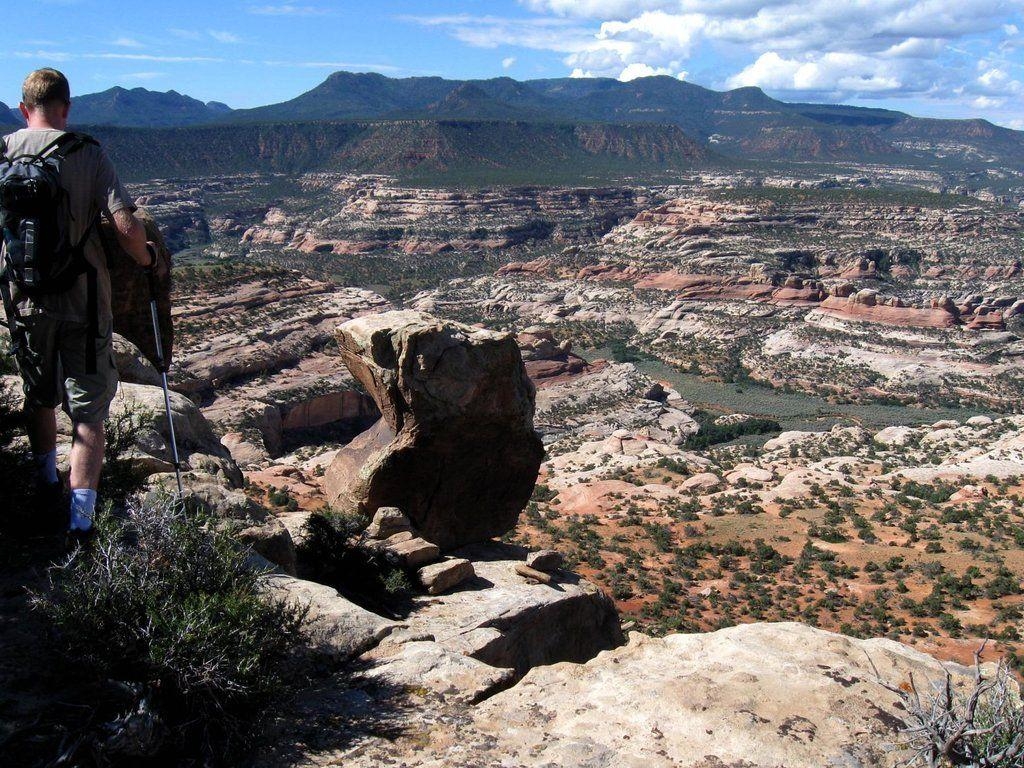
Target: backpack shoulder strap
[85,138]
[66,144]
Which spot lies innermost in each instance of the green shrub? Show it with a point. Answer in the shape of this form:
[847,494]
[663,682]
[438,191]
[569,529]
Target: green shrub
[330,554]
[169,606]
[121,476]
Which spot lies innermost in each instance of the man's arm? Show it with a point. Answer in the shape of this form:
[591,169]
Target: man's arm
[132,236]
[117,206]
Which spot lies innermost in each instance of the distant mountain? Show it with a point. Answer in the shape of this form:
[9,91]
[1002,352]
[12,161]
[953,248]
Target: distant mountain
[471,102]
[142,108]
[744,123]
[350,95]
[451,150]
[9,116]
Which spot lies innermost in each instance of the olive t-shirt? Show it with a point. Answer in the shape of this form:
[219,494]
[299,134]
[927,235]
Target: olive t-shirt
[93,187]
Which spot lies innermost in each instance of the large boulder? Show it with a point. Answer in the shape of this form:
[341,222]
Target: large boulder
[455,449]
[130,299]
[198,448]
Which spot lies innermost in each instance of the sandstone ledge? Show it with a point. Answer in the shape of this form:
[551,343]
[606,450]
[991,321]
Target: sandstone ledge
[751,696]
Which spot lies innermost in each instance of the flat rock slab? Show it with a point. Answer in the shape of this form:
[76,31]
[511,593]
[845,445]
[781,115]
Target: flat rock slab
[336,625]
[755,695]
[498,618]
[429,665]
[413,551]
[440,577]
[751,696]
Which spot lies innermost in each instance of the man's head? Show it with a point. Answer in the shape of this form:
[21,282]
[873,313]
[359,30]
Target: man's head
[46,99]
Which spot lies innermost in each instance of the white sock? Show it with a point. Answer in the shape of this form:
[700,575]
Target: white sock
[83,507]
[46,466]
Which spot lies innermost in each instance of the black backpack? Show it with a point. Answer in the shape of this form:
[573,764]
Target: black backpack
[39,255]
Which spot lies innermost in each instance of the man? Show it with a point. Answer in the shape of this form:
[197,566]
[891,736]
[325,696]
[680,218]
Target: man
[67,355]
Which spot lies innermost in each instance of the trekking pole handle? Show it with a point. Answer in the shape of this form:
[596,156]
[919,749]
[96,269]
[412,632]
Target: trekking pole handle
[151,268]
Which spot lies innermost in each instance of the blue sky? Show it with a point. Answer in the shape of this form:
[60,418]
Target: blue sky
[943,58]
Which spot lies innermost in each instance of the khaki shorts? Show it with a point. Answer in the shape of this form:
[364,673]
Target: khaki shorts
[56,369]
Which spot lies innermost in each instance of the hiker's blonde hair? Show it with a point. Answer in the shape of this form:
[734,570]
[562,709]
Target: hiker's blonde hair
[45,88]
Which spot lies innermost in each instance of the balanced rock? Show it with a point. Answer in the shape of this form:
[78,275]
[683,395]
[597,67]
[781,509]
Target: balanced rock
[455,449]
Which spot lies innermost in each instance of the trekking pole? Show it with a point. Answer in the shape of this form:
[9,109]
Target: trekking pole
[161,363]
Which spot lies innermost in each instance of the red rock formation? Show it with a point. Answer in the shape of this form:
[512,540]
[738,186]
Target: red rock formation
[729,287]
[987,321]
[536,267]
[547,360]
[868,310]
[330,408]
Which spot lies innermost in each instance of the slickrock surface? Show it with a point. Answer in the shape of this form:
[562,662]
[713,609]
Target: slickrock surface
[751,696]
[261,326]
[755,695]
[456,450]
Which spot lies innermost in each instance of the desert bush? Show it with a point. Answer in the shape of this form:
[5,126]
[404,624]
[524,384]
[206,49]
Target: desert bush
[164,603]
[121,476]
[330,554]
[982,727]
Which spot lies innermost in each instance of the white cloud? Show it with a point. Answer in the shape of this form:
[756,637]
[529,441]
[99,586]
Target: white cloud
[915,48]
[186,34]
[986,102]
[287,10]
[800,49]
[196,35]
[153,57]
[335,65]
[42,55]
[633,71]
[141,76]
[223,37]
[507,62]
[127,42]
[602,9]
[546,34]
[825,74]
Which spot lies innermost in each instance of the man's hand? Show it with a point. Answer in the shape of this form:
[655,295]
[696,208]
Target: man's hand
[156,265]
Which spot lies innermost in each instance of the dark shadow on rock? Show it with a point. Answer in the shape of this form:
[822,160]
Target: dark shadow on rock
[338,709]
[491,551]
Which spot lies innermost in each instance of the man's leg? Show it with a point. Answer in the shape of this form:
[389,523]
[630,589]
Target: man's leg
[87,456]
[41,426]
[89,386]
[40,372]
[86,464]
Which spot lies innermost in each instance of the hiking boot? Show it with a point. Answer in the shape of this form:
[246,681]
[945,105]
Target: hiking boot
[77,539]
[52,507]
